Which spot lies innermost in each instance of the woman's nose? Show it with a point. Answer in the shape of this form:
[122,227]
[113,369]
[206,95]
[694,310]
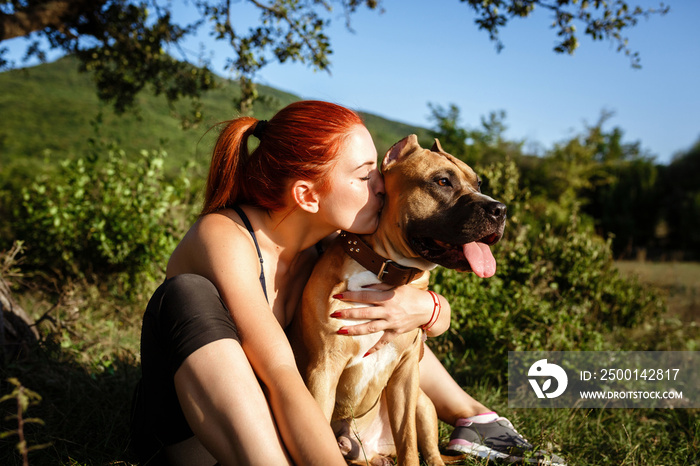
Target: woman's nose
[378,185]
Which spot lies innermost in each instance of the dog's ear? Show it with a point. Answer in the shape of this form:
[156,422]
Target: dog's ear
[398,150]
[436,146]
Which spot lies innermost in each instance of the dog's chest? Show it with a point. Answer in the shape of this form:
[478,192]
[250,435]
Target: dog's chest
[371,369]
[375,366]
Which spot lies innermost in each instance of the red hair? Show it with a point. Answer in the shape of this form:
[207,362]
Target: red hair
[300,142]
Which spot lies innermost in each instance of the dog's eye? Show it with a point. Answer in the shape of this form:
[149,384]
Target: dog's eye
[444,182]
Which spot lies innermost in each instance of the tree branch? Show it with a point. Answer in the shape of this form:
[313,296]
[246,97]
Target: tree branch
[282,15]
[44,14]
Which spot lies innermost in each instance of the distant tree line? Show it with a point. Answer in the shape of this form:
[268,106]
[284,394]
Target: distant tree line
[651,211]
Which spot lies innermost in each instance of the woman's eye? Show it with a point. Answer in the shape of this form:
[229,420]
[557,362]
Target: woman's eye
[370,174]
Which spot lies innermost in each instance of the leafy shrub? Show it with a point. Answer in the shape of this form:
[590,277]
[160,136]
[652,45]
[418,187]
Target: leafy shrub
[101,215]
[555,289]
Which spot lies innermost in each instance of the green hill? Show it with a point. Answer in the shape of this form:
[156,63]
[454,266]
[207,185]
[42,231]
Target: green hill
[46,115]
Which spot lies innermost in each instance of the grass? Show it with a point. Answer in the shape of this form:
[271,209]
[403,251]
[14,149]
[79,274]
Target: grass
[597,437]
[68,107]
[87,366]
[678,281]
[84,370]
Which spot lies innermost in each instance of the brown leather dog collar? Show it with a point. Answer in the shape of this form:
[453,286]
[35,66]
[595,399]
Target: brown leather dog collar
[386,270]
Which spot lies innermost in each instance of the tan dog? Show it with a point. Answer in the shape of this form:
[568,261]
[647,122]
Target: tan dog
[434,214]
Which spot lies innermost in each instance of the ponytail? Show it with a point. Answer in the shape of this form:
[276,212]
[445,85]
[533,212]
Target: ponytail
[301,141]
[227,165]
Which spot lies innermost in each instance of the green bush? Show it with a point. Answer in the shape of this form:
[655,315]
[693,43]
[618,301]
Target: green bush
[102,215]
[555,289]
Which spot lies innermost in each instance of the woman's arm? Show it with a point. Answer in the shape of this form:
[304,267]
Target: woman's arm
[396,311]
[304,429]
[225,255]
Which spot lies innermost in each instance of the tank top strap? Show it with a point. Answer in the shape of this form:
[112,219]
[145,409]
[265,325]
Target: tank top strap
[247,224]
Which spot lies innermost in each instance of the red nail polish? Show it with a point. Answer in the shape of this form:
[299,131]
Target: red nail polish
[343,331]
[338,296]
[366,354]
[336,314]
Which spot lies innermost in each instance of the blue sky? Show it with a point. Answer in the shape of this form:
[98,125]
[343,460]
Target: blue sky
[419,51]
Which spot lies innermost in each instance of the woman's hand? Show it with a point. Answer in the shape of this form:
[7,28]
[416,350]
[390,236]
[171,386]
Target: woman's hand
[394,311]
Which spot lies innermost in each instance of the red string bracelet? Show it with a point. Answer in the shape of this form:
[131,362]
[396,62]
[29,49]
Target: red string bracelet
[436,312]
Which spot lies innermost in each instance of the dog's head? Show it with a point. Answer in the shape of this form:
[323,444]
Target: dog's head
[434,200]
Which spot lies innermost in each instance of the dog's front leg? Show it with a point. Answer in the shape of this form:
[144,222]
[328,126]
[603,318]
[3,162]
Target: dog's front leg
[427,429]
[402,393]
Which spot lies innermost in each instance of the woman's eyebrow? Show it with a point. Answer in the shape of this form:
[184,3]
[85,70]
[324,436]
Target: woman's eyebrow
[369,162]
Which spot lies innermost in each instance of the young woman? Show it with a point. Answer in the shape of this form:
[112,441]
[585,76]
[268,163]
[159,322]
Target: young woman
[219,380]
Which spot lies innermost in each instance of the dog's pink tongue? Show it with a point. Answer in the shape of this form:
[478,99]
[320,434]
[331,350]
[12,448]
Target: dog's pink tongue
[480,259]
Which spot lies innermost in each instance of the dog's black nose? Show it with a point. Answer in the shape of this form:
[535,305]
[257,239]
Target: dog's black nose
[496,210]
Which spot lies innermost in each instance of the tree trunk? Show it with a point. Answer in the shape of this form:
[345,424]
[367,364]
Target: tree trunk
[17,330]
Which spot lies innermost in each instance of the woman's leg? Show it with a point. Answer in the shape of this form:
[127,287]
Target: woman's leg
[450,400]
[197,388]
[478,430]
[226,407]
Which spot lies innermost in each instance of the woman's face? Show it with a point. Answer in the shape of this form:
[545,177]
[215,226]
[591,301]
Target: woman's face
[356,193]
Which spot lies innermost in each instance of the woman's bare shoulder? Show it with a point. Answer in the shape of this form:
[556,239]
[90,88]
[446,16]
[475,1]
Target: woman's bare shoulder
[217,226]
[216,241]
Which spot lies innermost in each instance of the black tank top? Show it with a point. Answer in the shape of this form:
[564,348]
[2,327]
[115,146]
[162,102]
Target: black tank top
[244,217]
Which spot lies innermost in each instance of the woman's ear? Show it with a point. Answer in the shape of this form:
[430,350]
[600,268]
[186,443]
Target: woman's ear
[305,196]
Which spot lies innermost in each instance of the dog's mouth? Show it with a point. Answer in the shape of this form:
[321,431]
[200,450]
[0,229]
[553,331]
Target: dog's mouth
[474,256]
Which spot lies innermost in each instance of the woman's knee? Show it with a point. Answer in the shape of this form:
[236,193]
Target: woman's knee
[189,298]
[189,288]
[190,315]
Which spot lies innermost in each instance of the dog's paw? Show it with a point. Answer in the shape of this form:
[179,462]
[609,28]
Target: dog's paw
[381,461]
[348,447]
